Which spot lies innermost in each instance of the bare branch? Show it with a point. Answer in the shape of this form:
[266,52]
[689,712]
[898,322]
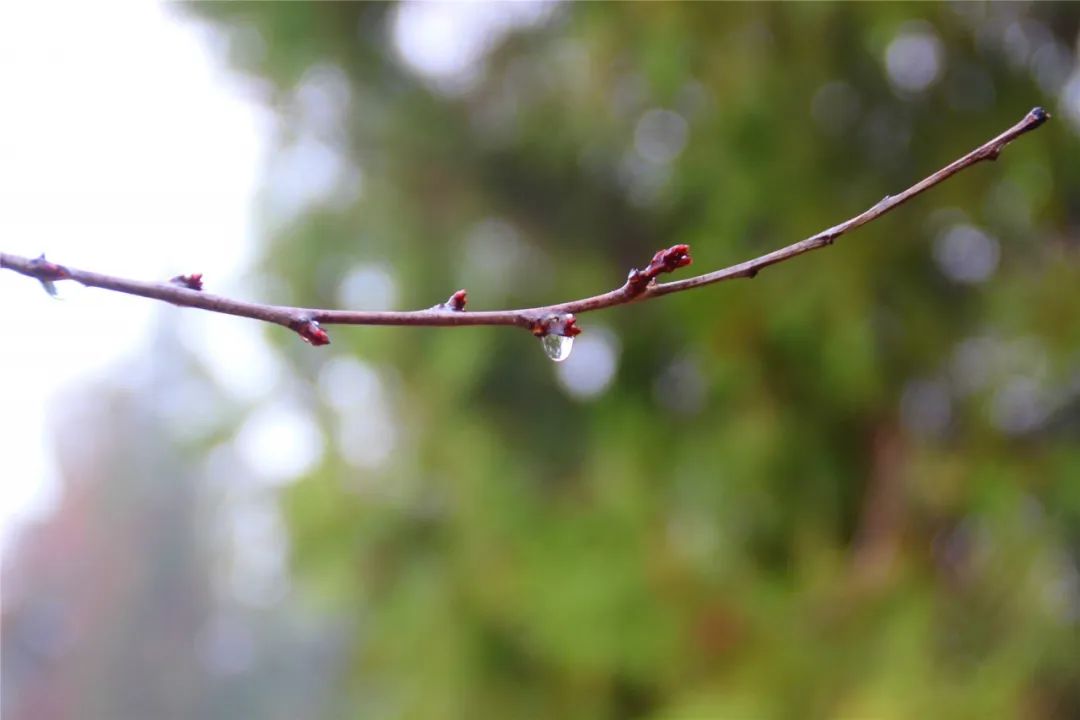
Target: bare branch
[558,319]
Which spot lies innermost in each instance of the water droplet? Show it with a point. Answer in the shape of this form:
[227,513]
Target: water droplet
[50,287]
[557,347]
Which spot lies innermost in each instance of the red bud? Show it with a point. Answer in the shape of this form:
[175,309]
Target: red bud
[310,332]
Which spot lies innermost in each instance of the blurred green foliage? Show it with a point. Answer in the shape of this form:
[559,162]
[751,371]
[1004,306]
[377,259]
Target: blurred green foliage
[849,488]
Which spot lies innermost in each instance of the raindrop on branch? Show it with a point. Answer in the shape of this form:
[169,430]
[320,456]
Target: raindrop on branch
[50,287]
[557,347]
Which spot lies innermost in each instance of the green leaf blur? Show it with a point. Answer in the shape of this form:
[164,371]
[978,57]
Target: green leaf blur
[767,513]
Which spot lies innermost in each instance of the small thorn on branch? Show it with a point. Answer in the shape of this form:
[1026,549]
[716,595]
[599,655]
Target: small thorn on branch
[191,282]
[310,332]
[555,324]
[454,303]
[664,261]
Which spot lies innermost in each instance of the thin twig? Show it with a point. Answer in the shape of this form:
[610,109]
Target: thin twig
[549,319]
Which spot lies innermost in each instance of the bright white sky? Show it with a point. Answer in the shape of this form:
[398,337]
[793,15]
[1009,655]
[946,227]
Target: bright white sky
[124,148]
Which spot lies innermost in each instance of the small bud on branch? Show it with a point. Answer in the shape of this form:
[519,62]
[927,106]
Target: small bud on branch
[563,324]
[44,270]
[191,282]
[454,303]
[310,332]
[664,261]
[48,273]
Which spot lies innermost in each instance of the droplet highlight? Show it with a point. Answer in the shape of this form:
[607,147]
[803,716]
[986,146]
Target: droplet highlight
[557,347]
[50,287]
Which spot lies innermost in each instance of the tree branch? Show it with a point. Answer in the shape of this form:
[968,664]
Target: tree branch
[558,319]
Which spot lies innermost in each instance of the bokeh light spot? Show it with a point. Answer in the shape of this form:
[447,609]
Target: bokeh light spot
[279,442]
[590,369]
[369,286]
[966,254]
[660,135]
[915,58]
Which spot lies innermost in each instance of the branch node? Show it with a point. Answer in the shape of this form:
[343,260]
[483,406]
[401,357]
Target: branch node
[564,324]
[191,282]
[310,332]
[664,261]
[48,271]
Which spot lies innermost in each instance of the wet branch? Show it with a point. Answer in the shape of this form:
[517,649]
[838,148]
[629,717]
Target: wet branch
[558,319]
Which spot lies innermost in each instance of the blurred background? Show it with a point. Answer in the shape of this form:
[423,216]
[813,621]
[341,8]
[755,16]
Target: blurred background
[849,488]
